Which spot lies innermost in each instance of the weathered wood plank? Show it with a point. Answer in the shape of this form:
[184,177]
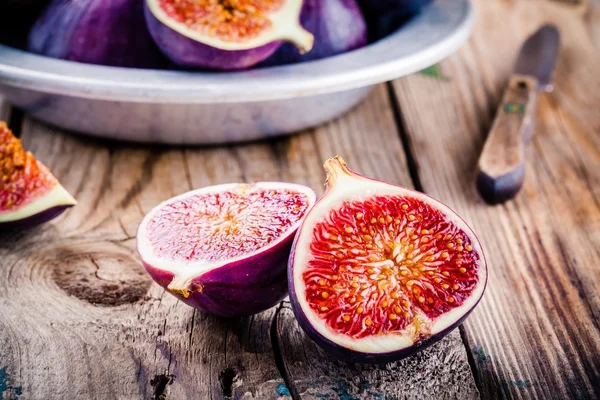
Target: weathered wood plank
[79,318]
[536,333]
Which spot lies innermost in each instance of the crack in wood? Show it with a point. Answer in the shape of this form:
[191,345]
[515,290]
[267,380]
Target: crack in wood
[470,358]
[277,354]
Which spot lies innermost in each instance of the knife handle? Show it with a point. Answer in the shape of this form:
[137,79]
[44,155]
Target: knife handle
[501,166]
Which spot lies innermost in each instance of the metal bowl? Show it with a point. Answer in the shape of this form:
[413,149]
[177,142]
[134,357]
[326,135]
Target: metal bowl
[216,107]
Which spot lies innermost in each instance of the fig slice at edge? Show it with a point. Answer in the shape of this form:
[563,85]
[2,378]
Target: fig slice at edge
[227,35]
[378,272]
[29,193]
[224,248]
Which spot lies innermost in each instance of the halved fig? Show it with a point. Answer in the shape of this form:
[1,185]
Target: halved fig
[225,34]
[378,271]
[224,248]
[29,193]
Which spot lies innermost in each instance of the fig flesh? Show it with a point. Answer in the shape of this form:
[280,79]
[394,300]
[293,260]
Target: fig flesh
[105,32]
[29,193]
[378,272]
[337,25]
[224,34]
[224,249]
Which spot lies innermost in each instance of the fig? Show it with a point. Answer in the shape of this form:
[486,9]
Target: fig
[105,32]
[224,34]
[224,249]
[29,193]
[386,16]
[337,25]
[378,272]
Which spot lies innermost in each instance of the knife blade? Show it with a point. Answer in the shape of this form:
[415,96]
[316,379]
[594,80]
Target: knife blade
[501,166]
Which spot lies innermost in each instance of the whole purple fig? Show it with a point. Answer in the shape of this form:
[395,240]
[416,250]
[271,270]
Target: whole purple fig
[224,35]
[338,27]
[106,32]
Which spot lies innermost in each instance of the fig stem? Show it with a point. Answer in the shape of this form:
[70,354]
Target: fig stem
[300,37]
[335,167]
[181,285]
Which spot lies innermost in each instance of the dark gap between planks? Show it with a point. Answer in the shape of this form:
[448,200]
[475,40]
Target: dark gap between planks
[413,168]
[15,120]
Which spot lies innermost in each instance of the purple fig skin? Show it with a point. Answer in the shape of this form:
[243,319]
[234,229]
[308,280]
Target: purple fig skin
[343,353]
[104,32]
[190,53]
[338,27]
[34,220]
[240,288]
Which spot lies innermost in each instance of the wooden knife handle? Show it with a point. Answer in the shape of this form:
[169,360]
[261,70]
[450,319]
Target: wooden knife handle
[501,167]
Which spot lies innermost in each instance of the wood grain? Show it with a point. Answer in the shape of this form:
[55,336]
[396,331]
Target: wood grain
[536,332]
[79,318]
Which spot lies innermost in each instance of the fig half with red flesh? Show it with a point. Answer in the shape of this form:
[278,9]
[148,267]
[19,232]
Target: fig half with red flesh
[378,271]
[225,34]
[224,249]
[29,193]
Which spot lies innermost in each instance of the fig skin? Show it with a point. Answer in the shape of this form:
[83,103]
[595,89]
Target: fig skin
[104,32]
[338,27]
[35,220]
[238,289]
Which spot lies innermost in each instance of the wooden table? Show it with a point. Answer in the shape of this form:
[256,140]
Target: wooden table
[79,317]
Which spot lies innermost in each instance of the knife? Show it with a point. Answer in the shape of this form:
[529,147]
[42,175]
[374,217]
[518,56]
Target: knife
[501,166]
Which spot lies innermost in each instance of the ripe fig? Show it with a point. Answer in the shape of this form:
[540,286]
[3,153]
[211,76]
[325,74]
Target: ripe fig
[224,34]
[224,248]
[337,25]
[378,272]
[106,32]
[29,193]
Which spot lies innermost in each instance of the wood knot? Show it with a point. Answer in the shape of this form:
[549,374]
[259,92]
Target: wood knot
[160,384]
[229,380]
[103,274]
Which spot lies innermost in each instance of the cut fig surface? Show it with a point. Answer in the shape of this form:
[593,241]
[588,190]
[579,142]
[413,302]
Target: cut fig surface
[224,248]
[29,193]
[230,21]
[378,271]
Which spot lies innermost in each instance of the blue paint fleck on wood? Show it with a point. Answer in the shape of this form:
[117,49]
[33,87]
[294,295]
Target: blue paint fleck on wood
[480,354]
[342,388]
[520,383]
[282,390]
[6,388]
